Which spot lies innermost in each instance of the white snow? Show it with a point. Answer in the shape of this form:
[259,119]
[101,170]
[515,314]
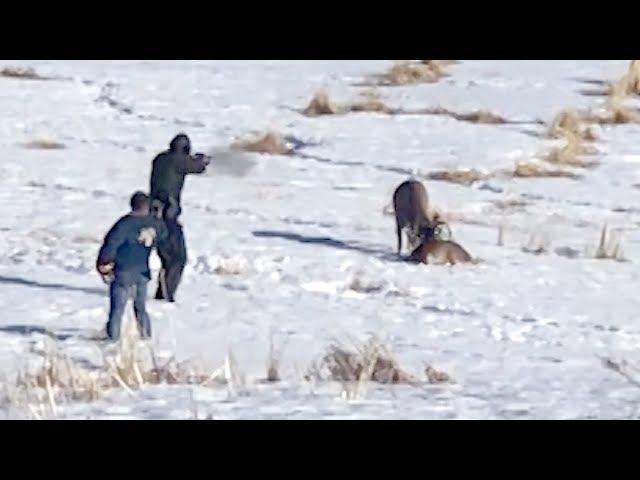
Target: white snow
[275,242]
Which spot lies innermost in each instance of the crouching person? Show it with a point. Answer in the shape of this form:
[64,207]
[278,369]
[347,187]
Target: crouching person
[123,262]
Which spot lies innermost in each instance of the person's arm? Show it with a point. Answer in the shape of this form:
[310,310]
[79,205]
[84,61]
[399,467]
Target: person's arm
[192,164]
[107,255]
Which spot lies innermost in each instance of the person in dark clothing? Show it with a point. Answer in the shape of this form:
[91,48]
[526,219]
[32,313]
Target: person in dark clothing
[167,180]
[170,169]
[123,262]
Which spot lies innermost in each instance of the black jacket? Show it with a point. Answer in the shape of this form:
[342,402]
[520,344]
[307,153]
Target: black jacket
[168,172]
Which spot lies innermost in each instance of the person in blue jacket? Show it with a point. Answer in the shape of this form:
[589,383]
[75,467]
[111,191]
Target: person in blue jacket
[123,262]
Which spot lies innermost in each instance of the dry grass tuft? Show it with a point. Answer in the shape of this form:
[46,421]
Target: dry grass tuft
[500,241]
[622,368]
[44,144]
[437,376]
[615,112]
[439,63]
[370,362]
[59,372]
[629,84]
[609,247]
[270,143]
[26,73]
[131,366]
[478,116]
[273,362]
[570,153]
[370,105]
[540,169]
[321,104]
[407,73]
[572,124]
[460,176]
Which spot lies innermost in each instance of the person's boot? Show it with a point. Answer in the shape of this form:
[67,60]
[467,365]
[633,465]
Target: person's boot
[159,295]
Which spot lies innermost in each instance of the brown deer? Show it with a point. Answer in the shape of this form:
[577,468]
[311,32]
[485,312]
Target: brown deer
[411,202]
[440,252]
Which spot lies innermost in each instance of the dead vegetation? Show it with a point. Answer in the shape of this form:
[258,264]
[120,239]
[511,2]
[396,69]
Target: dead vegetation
[44,143]
[614,112]
[623,369]
[477,116]
[571,123]
[370,362]
[270,143]
[411,72]
[535,168]
[374,105]
[500,241]
[571,152]
[460,176]
[274,361]
[437,376]
[371,101]
[407,73]
[25,73]
[59,380]
[610,246]
[439,63]
[321,104]
[572,128]
[480,116]
[628,84]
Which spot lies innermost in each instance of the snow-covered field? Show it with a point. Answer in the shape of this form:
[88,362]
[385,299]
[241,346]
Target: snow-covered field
[521,334]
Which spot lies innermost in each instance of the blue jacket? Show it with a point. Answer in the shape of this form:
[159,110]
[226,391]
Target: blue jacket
[128,245]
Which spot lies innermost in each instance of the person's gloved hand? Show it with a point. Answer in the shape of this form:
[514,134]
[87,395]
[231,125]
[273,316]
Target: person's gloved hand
[204,159]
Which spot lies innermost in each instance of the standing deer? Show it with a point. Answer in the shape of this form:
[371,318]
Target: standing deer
[410,202]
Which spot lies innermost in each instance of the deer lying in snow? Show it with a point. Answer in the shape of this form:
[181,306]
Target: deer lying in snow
[440,252]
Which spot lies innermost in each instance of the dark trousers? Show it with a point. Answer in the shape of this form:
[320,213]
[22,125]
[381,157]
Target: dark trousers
[173,255]
[122,289]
